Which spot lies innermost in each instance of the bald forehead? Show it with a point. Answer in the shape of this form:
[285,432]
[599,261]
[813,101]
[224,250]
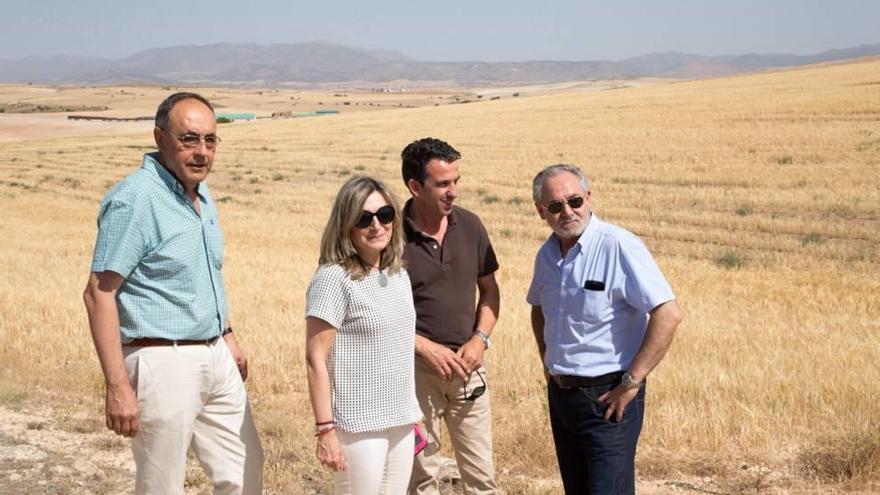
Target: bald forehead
[192,115]
[190,105]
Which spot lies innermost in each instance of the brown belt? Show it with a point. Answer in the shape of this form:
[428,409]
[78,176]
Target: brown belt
[155,342]
[571,381]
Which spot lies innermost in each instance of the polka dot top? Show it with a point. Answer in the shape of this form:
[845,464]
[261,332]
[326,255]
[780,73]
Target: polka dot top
[371,362]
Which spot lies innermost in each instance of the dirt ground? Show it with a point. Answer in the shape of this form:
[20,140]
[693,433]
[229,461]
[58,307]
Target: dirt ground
[45,452]
[46,449]
[67,450]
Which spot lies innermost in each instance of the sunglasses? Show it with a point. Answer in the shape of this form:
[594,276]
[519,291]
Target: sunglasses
[191,140]
[477,392]
[385,215]
[574,202]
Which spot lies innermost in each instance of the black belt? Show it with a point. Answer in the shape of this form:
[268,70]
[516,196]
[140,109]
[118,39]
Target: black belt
[156,342]
[572,381]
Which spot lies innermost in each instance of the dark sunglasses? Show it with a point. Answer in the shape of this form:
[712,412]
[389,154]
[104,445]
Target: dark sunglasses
[477,392]
[385,215]
[555,207]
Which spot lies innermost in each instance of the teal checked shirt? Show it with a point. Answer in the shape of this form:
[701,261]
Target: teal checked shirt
[169,256]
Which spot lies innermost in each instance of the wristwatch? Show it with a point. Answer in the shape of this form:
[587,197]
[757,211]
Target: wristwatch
[484,338]
[627,381]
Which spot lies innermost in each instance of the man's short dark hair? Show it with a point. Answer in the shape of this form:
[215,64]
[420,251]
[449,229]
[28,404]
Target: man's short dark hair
[417,154]
[168,104]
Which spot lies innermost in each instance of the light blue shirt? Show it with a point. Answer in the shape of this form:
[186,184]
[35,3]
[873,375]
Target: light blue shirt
[596,300]
[170,256]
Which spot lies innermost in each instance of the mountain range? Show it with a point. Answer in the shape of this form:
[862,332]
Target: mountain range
[316,63]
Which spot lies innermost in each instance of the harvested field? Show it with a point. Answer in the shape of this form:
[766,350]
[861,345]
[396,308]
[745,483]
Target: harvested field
[759,196]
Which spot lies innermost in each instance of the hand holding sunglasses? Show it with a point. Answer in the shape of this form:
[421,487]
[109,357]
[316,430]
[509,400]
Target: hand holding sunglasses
[477,391]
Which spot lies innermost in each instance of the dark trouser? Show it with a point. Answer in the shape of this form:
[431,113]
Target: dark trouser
[595,456]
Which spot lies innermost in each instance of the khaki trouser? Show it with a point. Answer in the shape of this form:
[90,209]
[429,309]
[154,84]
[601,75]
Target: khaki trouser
[192,396]
[469,424]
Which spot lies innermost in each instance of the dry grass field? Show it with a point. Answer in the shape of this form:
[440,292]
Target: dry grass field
[759,196]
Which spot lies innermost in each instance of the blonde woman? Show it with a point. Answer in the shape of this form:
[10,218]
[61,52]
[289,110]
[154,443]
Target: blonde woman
[360,325]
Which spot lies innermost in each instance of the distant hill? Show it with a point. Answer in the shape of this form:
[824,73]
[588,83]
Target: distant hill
[319,62]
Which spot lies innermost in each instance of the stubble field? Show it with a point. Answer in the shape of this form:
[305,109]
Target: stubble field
[759,196]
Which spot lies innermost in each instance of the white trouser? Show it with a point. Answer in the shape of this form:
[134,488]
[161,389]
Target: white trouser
[192,395]
[378,462]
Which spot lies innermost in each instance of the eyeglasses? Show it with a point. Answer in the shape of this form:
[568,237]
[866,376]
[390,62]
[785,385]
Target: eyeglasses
[477,392]
[385,215]
[574,202]
[191,140]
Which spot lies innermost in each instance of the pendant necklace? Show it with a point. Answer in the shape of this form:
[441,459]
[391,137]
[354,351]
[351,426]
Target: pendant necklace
[383,279]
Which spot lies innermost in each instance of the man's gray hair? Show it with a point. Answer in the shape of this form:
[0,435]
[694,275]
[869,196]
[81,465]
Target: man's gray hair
[552,170]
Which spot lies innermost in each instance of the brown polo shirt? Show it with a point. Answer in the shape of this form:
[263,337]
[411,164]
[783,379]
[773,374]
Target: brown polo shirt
[444,276]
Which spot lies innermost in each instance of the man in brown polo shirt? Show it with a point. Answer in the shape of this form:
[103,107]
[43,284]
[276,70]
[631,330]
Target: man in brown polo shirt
[450,262]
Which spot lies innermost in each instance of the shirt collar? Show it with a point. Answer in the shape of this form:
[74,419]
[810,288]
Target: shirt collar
[152,163]
[409,223]
[592,225]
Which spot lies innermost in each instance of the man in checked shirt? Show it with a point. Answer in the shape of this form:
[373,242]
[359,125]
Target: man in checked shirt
[157,309]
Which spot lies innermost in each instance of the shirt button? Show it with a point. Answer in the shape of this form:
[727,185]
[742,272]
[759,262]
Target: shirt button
[434,246]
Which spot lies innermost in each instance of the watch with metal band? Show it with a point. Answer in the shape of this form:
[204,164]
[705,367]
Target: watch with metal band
[627,381]
[484,338]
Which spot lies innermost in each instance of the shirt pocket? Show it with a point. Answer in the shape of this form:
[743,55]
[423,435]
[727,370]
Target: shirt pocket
[595,305]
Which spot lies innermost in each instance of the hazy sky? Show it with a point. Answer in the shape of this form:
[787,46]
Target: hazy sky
[450,30]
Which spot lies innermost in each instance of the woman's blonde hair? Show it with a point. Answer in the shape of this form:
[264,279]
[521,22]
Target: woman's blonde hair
[336,245]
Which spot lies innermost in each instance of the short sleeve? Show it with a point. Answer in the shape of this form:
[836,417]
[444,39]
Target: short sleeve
[487,261]
[533,297]
[328,296]
[121,243]
[645,287]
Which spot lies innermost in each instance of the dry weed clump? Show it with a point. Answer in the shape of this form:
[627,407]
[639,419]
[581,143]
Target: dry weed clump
[852,457]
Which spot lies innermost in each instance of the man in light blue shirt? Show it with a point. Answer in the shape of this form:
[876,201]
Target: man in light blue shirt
[157,310]
[603,316]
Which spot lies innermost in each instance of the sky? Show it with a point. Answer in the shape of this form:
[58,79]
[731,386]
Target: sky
[451,30]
